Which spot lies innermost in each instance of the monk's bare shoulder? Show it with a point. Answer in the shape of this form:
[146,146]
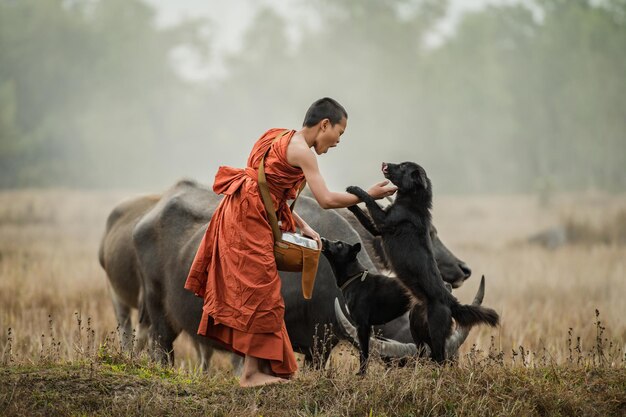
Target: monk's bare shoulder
[298,152]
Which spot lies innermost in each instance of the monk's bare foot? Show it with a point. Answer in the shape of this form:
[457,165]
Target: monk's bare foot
[259,378]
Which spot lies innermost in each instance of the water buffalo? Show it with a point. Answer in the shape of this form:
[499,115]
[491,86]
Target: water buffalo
[155,242]
[165,240]
[117,256]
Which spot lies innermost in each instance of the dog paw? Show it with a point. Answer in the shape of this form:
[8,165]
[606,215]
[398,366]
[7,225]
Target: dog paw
[357,191]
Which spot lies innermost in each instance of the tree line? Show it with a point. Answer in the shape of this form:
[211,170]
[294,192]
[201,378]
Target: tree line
[517,99]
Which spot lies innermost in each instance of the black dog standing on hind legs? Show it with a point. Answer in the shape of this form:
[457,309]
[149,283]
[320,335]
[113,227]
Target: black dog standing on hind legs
[404,227]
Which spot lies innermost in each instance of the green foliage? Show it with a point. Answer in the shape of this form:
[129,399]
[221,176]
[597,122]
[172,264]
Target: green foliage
[81,84]
[511,100]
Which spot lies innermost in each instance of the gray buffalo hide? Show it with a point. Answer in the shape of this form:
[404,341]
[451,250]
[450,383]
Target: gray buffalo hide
[166,239]
[148,248]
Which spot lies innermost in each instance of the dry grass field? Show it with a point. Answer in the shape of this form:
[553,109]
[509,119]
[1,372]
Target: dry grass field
[55,309]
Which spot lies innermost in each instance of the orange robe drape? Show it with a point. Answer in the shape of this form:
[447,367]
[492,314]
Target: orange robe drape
[234,268]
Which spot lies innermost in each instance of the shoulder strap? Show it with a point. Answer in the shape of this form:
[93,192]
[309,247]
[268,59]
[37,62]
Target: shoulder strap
[265,193]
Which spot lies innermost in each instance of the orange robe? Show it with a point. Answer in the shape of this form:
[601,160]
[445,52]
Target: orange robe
[234,268]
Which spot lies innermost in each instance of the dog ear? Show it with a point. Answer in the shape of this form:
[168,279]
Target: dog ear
[356,248]
[419,177]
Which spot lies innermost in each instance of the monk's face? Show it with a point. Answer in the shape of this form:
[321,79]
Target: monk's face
[329,135]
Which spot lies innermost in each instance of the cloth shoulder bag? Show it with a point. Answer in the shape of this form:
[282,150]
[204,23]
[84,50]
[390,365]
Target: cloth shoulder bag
[292,251]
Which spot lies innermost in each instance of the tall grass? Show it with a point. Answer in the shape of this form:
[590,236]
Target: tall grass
[563,326]
[562,316]
[52,288]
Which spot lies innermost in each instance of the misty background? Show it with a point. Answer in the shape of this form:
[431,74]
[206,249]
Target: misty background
[506,97]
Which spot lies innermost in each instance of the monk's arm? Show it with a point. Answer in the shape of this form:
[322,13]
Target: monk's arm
[306,229]
[327,199]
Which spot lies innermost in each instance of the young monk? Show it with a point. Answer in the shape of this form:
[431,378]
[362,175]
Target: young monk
[234,268]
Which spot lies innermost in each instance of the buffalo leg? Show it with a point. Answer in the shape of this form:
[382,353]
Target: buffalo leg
[122,315]
[143,335]
[237,363]
[143,327]
[204,353]
[162,333]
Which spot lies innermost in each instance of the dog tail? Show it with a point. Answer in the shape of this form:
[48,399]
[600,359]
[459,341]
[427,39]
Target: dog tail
[470,315]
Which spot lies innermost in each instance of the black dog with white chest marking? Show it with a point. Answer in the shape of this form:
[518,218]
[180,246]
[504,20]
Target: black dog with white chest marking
[404,227]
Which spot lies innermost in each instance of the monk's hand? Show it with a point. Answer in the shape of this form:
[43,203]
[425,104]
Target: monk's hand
[310,233]
[382,190]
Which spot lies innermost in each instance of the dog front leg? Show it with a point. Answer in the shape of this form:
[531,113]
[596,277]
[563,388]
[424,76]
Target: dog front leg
[364,220]
[377,213]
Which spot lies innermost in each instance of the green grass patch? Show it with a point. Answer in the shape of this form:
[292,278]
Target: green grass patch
[105,389]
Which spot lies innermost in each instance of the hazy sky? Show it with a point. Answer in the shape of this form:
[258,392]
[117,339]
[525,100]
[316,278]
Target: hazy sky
[230,19]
